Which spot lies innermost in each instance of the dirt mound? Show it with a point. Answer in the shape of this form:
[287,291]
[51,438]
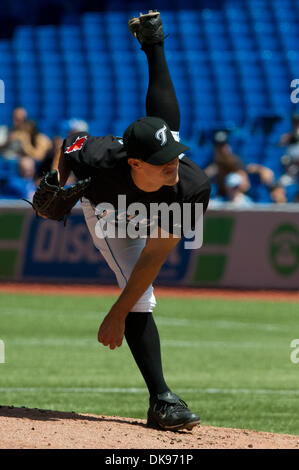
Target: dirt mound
[24,428]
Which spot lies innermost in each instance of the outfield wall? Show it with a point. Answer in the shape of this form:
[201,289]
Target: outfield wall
[255,249]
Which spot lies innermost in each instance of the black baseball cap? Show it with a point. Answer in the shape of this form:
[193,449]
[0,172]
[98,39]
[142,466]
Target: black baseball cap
[150,139]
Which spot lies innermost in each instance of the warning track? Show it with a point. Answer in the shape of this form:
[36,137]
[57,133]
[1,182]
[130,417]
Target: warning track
[93,290]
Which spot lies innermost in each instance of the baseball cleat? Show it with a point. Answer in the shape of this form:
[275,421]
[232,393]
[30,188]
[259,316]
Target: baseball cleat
[148,28]
[167,411]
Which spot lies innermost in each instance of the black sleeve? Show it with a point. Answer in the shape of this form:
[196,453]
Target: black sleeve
[87,154]
[72,149]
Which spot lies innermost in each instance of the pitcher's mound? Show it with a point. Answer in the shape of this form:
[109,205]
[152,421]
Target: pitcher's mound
[24,428]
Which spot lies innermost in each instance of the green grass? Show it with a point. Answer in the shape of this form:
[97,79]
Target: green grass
[230,360]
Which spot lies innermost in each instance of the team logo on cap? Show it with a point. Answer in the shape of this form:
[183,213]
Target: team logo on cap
[77,145]
[161,135]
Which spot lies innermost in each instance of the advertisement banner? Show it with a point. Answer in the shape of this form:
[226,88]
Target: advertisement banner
[55,251]
[254,249]
[248,249]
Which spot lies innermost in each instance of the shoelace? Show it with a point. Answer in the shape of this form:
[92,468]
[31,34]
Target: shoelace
[175,406]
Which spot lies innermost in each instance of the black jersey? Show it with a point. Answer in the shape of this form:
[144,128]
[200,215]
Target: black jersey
[105,160]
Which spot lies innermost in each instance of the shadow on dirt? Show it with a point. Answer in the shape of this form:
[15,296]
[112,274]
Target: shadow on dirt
[37,414]
[49,415]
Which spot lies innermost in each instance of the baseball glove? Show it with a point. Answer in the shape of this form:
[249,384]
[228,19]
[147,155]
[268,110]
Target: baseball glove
[55,202]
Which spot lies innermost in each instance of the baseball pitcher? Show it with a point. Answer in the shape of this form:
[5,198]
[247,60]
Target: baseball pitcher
[146,166]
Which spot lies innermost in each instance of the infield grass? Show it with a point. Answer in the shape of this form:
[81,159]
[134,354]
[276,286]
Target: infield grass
[229,360]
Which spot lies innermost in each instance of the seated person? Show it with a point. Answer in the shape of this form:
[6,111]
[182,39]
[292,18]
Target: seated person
[32,143]
[10,145]
[290,160]
[22,185]
[225,162]
[234,194]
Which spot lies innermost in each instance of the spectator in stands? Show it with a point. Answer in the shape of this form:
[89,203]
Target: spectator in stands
[22,185]
[292,137]
[226,162]
[77,125]
[290,160]
[267,178]
[46,164]
[266,174]
[233,193]
[278,194]
[19,117]
[10,145]
[69,127]
[33,143]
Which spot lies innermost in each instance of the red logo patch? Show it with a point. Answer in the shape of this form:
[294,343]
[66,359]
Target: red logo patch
[77,145]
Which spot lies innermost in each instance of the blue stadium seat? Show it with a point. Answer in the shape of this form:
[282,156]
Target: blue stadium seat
[95,43]
[92,18]
[23,33]
[88,29]
[264,28]
[271,158]
[48,45]
[282,12]
[212,28]
[202,88]
[250,71]
[49,58]
[48,127]
[5,114]
[169,17]
[237,30]
[189,16]
[220,43]
[20,45]
[288,27]
[248,56]
[99,127]
[268,42]
[289,42]
[206,114]
[47,38]
[69,31]
[118,126]
[235,13]
[123,87]
[293,68]
[104,82]
[193,42]
[46,32]
[253,83]
[102,110]
[118,18]
[244,43]
[259,12]
[6,58]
